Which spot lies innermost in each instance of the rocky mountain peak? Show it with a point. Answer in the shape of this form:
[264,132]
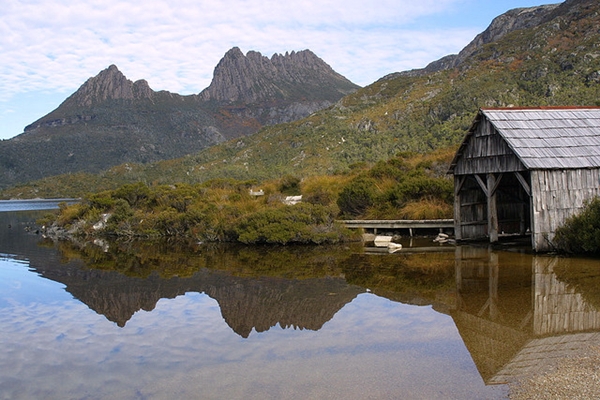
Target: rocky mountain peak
[109,84]
[512,20]
[252,78]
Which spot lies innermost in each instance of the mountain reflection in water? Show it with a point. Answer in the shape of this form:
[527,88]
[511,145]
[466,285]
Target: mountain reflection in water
[246,303]
[512,313]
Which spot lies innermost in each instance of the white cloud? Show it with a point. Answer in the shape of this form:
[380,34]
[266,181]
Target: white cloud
[175,45]
[55,45]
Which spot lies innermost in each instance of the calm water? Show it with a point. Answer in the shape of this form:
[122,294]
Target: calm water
[157,320]
[31,205]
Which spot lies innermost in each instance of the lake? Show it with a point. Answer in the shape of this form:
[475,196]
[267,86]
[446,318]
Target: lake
[161,320]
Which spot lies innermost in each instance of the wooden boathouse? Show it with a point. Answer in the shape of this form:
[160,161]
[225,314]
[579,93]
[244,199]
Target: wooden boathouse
[525,171]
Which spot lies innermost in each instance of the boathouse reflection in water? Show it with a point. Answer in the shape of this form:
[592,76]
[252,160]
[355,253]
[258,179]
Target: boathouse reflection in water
[514,322]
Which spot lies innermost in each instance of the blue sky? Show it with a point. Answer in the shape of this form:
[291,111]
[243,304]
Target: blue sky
[51,47]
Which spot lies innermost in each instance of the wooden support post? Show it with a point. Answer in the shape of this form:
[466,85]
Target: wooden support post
[492,208]
[527,189]
[523,183]
[459,181]
[458,267]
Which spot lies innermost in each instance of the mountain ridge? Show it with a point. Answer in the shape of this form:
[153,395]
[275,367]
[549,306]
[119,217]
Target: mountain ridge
[510,21]
[111,120]
[249,78]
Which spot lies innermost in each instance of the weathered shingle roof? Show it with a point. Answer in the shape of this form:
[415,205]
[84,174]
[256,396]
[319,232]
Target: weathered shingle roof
[550,138]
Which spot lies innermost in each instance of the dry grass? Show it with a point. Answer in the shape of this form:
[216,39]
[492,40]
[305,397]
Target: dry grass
[427,209]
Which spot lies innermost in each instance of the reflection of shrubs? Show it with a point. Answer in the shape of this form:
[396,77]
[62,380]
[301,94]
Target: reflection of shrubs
[581,233]
[302,223]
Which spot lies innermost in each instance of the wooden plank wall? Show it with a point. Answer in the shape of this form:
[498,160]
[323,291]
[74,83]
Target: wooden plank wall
[487,152]
[558,308]
[557,195]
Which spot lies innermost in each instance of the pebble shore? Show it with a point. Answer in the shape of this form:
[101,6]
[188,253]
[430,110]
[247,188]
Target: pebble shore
[572,378]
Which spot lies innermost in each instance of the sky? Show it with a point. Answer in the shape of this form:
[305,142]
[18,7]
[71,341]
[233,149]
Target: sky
[49,48]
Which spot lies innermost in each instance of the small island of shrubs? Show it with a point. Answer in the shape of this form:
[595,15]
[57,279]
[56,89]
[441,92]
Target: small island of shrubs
[225,210]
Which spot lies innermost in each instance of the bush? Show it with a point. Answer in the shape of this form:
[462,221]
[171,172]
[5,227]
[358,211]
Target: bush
[302,223]
[68,214]
[427,209]
[290,185]
[356,197]
[135,194]
[418,187]
[581,233]
[101,201]
[121,213]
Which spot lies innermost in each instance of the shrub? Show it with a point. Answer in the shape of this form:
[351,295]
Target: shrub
[135,194]
[302,223]
[102,201]
[322,190]
[417,187]
[356,197]
[394,168]
[70,213]
[427,209]
[289,185]
[581,233]
[121,213]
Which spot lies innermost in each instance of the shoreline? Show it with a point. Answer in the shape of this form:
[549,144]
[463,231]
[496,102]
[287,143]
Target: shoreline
[572,377]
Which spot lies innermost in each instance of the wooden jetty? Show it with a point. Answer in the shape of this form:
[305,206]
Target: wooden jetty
[399,224]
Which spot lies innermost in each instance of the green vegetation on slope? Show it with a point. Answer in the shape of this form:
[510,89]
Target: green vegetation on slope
[407,186]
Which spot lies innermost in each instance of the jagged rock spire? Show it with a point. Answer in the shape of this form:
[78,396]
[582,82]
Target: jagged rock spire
[253,77]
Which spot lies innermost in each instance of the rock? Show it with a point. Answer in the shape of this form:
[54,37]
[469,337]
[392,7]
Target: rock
[512,20]
[102,223]
[253,78]
[109,84]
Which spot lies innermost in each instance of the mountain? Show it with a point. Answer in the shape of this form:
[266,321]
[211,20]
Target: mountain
[539,56]
[253,78]
[111,120]
[512,20]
